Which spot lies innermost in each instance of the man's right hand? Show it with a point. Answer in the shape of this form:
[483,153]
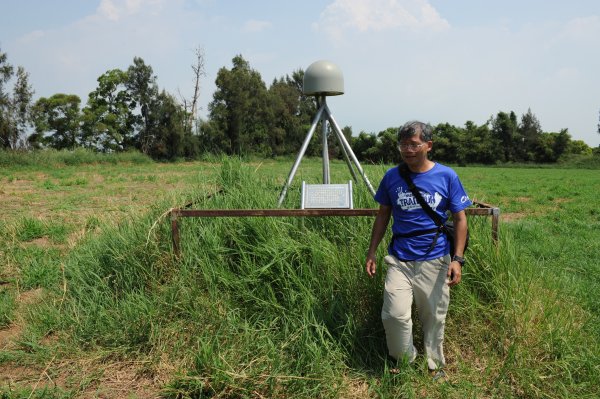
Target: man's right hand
[371,266]
[379,226]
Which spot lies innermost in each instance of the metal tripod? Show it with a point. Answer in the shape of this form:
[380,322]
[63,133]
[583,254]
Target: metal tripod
[324,115]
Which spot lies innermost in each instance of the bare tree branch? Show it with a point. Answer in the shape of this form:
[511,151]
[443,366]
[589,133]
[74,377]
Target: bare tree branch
[198,69]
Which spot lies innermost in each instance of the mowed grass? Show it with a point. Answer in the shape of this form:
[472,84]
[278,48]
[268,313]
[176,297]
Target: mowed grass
[48,209]
[280,307]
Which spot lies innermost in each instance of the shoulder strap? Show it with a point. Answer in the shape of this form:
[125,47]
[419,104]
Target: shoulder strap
[405,174]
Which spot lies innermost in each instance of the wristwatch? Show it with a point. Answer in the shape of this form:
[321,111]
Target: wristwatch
[459,259]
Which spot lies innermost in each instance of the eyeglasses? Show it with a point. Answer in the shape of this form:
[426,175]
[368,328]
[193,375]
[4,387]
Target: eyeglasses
[410,147]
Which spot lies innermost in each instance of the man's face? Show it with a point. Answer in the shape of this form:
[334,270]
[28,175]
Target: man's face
[414,151]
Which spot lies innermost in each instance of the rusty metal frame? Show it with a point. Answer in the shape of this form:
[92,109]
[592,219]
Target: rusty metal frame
[481,209]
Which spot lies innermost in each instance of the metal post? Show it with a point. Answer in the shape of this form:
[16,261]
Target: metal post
[346,158]
[326,176]
[348,163]
[175,233]
[495,222]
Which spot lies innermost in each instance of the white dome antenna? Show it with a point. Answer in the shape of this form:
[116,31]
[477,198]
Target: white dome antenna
[323,78]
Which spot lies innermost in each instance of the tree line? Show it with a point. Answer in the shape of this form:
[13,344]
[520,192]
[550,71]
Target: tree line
[127,111]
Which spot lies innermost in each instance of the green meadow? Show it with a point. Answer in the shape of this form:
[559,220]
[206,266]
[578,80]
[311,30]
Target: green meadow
[93,303]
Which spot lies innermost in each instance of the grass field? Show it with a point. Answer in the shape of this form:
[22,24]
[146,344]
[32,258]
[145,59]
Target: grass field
[94,304]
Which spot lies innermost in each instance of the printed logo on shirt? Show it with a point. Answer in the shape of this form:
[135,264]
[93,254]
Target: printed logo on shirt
[464,199]
[407,201]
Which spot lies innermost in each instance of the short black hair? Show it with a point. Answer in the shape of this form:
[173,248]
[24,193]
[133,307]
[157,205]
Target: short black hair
[409,129]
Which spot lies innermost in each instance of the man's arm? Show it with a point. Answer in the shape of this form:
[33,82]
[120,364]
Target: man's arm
[379,227]
[460,237]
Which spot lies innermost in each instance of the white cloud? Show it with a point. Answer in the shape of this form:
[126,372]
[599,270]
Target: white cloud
[76,53]
[584,28]
[379,15]
[108,9]
[254,25]
[32,36]
[114,10]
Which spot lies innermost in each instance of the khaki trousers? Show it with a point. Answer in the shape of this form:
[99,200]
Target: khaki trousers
[426,282]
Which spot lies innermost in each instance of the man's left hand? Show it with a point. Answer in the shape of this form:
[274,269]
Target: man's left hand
[454,273]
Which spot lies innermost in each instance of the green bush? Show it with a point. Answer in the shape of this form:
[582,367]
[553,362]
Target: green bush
[581,161]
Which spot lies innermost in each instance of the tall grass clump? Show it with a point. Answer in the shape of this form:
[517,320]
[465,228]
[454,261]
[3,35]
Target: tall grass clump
[282,307]
[293,288]
[7,307]
[529,338]
[277,306]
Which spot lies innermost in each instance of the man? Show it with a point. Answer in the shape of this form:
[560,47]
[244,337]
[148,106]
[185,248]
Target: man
[419,265]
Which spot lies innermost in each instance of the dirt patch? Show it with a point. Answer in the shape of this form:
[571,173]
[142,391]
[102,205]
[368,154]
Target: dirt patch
[11,375]
[511,217]
[12,332]
[42,242]
[123,380]
[96,179]
[75,237]
[8,335]
[31,296]
[88,378]
[356,389]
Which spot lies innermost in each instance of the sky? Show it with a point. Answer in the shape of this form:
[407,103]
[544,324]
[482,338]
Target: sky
[431,60]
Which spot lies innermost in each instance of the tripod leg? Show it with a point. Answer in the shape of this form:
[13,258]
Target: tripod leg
[300,154]
[346,157]
[326,175]
[349,149]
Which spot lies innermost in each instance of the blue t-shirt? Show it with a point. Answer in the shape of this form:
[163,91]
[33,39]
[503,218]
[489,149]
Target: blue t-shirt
[441,189]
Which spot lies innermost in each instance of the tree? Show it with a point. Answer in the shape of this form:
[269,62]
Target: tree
[290,115]
[56,121]
[305,109]
[166,121]
[464,145]
[386,148]
[477,145]
[552,145]
[108,119]
[15,109]
[21,106]
[529,132]
[239,109]
[544,150]
[191,107]
[504,129]
[363,147]
[211,138]
[142,89]
[15,115]
[561,143]
[579,147]
[282,121]
[6,73]
[448,144]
